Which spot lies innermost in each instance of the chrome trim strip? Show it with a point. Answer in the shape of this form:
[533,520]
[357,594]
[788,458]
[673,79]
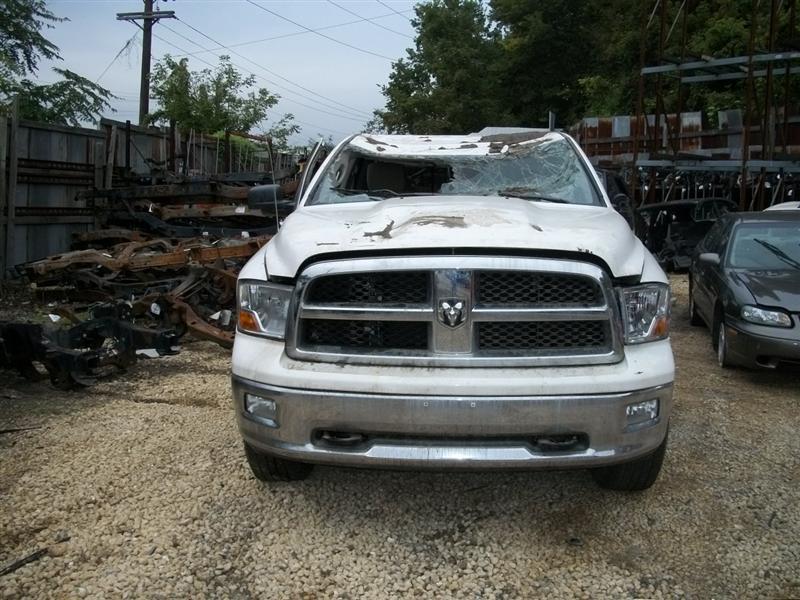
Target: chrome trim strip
[485,313]
[367,313]
[453,276]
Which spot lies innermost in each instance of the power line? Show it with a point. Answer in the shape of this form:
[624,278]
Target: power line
[347,10]
[393,10]
[314,108]
[327,37]
[296,33]
[354,111]
[125,46]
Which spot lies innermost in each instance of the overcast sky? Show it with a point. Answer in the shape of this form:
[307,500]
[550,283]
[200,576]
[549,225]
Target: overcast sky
[346,80]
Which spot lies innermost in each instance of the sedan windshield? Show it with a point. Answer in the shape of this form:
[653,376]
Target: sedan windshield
[766,246]
[541,170]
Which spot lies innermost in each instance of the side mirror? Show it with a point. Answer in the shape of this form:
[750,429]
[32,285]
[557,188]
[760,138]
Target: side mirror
[264,196]
[711,258]
[623,205]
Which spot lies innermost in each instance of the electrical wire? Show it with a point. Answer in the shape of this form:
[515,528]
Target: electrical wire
[347,10]
[125,46]
[327,37]
[397,12]
[354,111]
[296,33]
[338,114]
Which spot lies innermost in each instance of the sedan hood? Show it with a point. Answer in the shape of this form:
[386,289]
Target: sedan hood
[774,288]
[454,222]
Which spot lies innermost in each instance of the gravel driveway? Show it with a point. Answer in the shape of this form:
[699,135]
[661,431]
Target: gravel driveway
[138,486]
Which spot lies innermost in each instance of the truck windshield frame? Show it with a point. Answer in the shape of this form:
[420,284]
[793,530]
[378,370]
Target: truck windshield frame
[547,169]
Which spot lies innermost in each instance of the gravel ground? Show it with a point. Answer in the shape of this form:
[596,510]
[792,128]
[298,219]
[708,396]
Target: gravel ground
[138,486]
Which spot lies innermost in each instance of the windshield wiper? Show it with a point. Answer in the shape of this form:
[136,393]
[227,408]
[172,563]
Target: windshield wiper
[380,193]
[779,253]
[512,193]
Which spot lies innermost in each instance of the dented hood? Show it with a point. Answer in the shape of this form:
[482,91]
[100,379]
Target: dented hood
[454,222]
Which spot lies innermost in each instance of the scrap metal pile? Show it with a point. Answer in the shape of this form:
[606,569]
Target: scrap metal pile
[83,351]
[164,264]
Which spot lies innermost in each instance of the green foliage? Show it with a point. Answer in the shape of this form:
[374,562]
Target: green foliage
[72,100]
[281,131]
[511,65]
[207,101]
[448,81]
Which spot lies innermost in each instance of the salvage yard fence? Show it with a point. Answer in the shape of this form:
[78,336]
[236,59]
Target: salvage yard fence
[43,166]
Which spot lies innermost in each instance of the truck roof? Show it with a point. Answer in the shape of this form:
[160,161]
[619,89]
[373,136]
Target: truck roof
[448,145]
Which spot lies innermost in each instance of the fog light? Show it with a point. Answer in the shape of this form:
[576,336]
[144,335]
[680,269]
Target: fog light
[641,412]
[263,408]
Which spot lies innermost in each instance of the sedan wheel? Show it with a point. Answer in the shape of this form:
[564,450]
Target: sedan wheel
[694,318]
[722,347]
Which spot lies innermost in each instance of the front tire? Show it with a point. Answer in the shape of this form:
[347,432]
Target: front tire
[272,468]
[723,353]
[632,476]
[694,318]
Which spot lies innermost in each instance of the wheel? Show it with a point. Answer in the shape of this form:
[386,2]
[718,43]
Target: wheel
[634,475]
[723,354]
[694,318]
[271,468]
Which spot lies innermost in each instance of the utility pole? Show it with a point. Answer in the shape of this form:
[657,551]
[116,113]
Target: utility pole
[148,18]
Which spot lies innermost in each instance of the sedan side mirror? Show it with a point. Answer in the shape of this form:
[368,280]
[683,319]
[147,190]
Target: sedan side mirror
[711,258]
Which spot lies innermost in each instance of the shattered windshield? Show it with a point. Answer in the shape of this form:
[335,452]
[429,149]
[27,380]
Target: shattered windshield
[542,170]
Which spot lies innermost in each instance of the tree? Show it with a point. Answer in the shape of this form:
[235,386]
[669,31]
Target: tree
[449,82]
[511,65]
[281,131]
[208,101]
[72,100]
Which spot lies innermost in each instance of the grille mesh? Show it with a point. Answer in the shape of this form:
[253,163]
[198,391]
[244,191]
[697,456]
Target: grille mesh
[520,287]
[374,335]
[546,335]
[371,288]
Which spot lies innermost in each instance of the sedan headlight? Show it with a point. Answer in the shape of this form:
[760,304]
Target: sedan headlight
[645,312]
[760,316]
[263,308]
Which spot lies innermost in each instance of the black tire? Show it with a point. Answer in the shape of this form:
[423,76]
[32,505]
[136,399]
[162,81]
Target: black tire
[694,318]
[633,476]
[271,468]
[721,344]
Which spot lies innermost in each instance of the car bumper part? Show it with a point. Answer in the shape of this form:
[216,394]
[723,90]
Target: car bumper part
[451,431]
[751,349]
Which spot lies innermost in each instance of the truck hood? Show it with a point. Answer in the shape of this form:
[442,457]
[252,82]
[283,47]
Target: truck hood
[454,222]
[773,288]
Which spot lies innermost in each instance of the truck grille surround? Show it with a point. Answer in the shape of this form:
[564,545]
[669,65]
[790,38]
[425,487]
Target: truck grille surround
[464,311]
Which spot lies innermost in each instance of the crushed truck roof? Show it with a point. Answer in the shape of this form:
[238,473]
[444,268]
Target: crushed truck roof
[438,145]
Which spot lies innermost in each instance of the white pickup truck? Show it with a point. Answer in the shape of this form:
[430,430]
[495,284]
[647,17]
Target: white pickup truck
[468,302]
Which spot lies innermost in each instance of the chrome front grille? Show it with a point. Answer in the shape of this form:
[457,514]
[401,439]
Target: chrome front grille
[454,311]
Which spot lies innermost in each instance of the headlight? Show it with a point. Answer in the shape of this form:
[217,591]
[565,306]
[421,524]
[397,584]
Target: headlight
[263,308]
[645,312]
[760,316]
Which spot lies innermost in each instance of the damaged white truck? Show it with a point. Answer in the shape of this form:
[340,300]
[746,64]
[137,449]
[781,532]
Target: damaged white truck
[454,302]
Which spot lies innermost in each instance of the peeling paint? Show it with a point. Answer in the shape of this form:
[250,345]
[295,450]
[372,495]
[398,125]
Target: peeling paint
[442,220]
[385,233]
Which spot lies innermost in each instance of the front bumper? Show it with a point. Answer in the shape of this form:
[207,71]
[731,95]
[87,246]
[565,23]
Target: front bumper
[451,431]
[751,346]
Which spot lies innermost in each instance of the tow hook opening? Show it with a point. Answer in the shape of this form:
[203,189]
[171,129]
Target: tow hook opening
[345,439]
[561,443]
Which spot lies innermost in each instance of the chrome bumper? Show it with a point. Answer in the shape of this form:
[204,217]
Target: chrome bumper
[447,432]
